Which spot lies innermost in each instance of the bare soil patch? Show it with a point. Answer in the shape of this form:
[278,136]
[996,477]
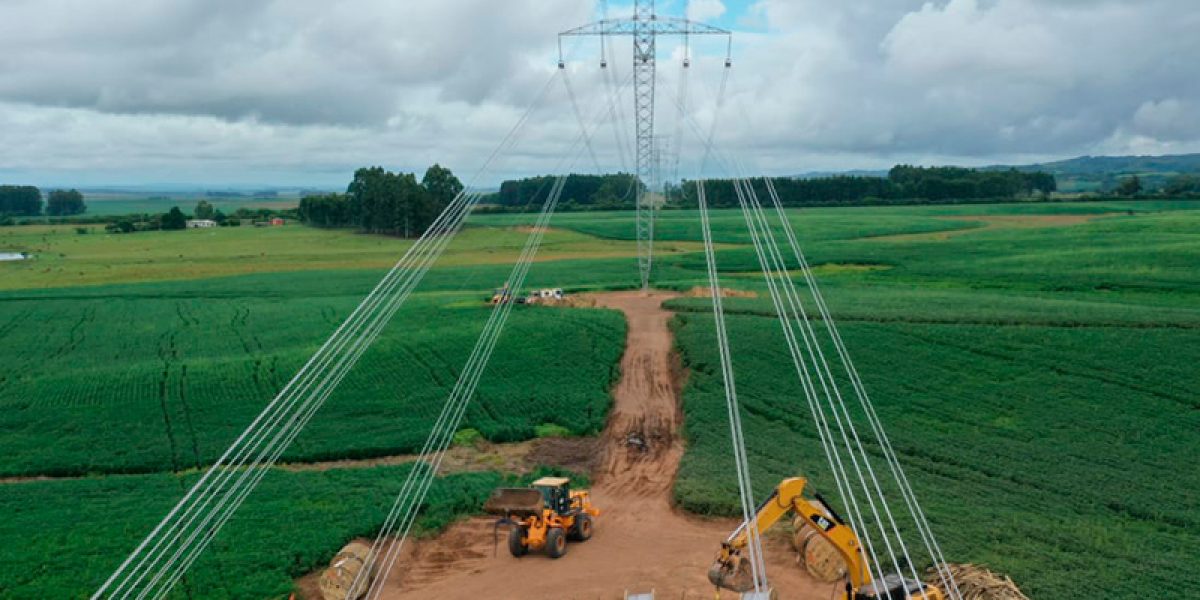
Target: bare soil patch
[576,454]
[530,228]
[642,542]
[706,292]
[482,457]
[579,455]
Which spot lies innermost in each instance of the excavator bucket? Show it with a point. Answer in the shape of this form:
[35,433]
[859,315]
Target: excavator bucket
[518,502]
[733,574]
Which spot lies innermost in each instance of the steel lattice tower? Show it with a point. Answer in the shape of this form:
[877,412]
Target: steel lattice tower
[645,26]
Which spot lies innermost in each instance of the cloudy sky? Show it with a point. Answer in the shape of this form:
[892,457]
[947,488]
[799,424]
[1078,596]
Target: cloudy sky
[300,92]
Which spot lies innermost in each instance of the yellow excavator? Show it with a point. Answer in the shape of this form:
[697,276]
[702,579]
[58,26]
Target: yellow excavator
[731,570]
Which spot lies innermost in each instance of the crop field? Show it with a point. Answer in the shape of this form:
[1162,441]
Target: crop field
[290,526]
[136,379]
[1034,365]
[1037,450]
[1039,384]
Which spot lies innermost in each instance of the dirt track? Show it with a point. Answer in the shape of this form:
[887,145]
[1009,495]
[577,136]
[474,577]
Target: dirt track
[641,542]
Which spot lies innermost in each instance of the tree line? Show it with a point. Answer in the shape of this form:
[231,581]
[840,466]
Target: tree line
[380,201]
[26,201]
[580,192]
[1182,185]
[904,184]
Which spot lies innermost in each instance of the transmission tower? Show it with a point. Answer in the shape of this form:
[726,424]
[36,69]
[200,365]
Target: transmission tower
[645,26]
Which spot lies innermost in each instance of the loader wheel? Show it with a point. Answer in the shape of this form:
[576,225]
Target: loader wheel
[556,543]
[516,542]
[582,530]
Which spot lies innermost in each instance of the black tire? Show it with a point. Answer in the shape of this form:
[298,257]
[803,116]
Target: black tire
[516,542]
[582,530]
[556,542]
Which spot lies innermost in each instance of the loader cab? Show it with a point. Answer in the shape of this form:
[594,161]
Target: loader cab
[556,491]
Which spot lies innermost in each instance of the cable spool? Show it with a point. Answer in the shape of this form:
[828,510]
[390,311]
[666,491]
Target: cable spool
[335,582]
[820,558]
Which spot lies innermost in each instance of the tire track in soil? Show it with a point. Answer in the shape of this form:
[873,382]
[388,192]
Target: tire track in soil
[16,321]
[17,363]
[251,346]
[76,334]
[167,352]
[642,542]
[187,414]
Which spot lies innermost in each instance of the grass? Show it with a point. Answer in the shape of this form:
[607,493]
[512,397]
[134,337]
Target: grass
[63,257]
[1036,377]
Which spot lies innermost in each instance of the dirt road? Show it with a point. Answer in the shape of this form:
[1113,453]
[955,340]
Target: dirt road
[641,543]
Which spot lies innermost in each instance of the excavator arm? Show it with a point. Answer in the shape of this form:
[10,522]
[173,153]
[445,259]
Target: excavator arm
[731,570]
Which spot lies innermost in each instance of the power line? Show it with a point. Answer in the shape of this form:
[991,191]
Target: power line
[741,462]
[407,504]
[795,321]
[164,555]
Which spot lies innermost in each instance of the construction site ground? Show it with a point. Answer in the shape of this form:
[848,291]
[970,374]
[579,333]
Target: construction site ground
[642,543]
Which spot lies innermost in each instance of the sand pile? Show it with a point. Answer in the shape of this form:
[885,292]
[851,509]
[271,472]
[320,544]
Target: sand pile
[705,292]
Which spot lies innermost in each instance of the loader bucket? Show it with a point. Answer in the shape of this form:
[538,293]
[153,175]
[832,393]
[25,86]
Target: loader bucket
[518,502]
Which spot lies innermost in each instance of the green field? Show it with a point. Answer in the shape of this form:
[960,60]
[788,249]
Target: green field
[1039,383]
[284,530]
[1034,364]
[64,257]
[143,384]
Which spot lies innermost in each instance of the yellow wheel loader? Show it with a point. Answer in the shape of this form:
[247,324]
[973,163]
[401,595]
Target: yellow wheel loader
[545,515]
[731,570]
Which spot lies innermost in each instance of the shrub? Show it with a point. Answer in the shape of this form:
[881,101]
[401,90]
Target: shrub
[551,430]
[468,437]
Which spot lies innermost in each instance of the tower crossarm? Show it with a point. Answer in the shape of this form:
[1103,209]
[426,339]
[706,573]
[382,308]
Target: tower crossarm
[645,26]
[657,26]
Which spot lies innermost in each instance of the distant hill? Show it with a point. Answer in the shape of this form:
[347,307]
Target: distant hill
[1120,165]
[1081,174]
[1103,173]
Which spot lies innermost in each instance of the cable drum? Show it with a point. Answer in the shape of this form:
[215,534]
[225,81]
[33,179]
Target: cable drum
[335,581]
[819,557]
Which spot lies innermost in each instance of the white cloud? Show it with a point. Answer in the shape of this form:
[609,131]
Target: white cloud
[303,89]
[1168,119]
[705,10]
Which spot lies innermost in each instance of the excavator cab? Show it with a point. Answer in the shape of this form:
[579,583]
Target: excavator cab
[895,587]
